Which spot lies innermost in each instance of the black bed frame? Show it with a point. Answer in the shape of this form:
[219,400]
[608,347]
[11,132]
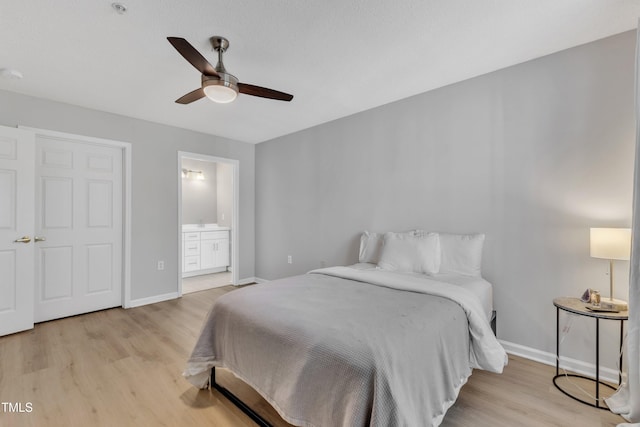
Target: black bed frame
[254,415]
[493,323]
[236,401]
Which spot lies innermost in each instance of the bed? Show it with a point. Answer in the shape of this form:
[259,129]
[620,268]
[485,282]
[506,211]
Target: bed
[354,346]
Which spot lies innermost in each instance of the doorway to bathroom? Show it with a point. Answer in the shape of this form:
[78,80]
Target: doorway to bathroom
[208,221]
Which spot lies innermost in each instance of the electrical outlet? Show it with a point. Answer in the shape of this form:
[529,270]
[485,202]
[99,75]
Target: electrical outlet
[160,265]
[289,259]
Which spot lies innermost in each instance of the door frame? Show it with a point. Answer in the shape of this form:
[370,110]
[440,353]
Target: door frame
[126,196]
[235,223]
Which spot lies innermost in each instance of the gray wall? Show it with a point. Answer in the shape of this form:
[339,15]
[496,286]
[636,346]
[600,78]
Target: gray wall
[532,155]
[154,180]
[200,197]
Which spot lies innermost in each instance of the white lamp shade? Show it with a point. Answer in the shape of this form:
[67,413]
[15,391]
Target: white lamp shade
[611,243]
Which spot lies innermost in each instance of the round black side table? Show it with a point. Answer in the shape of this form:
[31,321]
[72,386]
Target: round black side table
[574,305]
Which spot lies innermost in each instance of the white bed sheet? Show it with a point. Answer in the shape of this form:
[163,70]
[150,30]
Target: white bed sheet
[479,286]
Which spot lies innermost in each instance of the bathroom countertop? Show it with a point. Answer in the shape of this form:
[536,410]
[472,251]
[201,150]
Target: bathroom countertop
[203,227]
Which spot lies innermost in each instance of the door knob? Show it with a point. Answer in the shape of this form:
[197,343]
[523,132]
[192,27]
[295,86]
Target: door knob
[39,238]
[24,239]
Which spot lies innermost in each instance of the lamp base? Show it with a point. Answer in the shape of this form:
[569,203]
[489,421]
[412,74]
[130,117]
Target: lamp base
[614,304]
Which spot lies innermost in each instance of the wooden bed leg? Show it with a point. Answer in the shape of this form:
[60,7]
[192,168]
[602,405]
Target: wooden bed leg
[237,402]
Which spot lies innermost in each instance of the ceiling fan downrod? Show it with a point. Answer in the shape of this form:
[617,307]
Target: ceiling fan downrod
[220,45]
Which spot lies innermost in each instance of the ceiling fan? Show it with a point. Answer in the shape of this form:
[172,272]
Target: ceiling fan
[217,84]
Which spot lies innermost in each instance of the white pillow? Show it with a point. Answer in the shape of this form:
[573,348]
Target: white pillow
[411,252]
[370,246]
[461,253]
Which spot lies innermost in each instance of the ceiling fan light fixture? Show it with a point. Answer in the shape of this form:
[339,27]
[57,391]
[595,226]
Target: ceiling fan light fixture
[222,90]
[220,94]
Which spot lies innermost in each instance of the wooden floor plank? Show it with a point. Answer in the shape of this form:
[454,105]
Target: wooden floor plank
[123,368]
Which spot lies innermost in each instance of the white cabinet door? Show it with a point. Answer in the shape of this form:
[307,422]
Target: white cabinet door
[214,249]
[16,221]
[207,254]
[79,204]
[222,253]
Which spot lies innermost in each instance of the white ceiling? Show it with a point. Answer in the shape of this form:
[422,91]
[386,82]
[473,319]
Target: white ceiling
[336,57]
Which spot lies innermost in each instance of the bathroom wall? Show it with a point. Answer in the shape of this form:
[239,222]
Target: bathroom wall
[200,196]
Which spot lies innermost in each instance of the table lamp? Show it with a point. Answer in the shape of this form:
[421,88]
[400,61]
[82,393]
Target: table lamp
[611,244]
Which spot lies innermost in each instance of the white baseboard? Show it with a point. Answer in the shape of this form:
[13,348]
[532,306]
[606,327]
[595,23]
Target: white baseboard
[259,280]
[569,364]
[152,300]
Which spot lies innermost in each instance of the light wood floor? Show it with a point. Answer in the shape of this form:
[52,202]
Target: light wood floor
[123,368]
[205,281]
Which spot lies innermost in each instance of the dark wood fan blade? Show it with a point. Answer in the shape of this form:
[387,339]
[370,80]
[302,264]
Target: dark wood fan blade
[194,95]
[263,92]
[193,56]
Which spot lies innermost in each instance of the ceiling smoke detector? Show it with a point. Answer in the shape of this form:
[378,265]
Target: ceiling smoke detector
[119,7]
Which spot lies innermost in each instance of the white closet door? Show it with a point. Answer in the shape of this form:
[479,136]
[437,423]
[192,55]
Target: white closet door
[16,221]
[78,210]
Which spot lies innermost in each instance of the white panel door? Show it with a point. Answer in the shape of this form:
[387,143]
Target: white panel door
[16,222]
[79,225]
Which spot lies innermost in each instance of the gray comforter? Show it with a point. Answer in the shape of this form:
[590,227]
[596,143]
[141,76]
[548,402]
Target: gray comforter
[349,348]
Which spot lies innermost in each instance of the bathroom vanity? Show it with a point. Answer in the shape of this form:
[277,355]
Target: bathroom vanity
[205,249]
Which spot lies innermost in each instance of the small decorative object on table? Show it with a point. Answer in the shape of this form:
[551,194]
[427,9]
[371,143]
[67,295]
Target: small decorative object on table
[595,298]
[586,296]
